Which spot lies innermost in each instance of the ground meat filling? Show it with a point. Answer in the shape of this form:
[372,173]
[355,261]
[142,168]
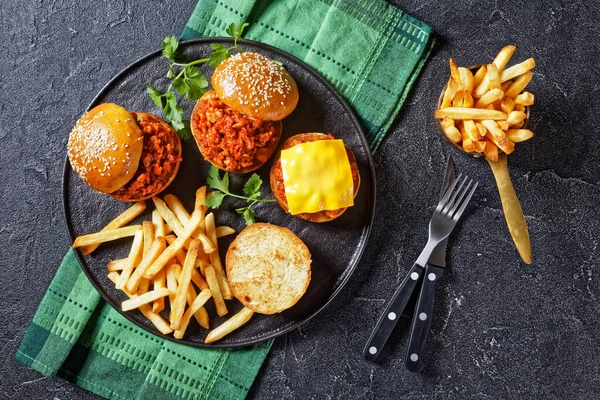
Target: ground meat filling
[160,156]
[229,139]
[279,186]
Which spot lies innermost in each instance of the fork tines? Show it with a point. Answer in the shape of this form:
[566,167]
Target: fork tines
[457,197]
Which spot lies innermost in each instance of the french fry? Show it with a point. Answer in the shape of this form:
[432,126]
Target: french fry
[230,325]
[516,70]
[518,125]
[135,255]
[201,258]
[106,236]
[124,218]
[178,305]
[519,135]
[449,93]
[143,286]
[215,258]
[468,101]
[456,74]
[168,216]
[466,78]
[491,151]
[479,146]
[200,198]
[177,226]
[494,76]
[515,117]
[489,98]
[446,123]
[159,224]
[453,134]
[174,247]
[158,321]
[497,135]
[201,316]
[519,85]
[478,77]
[458,98]
[213,284]
[507,105]
[502,125]
[471,129]
[159,281]
[148,229]
[173,272]
[117,265]
[199,301]
[198,280]
[177,208]
[483,86]
[525,99]
[146,298]
[505,85]
[481,129]
[467,143]
[226,230]
[519,107]
[503,57]
[470,113]
[157,249]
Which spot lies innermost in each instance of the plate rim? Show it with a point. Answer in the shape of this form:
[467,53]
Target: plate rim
[352,266]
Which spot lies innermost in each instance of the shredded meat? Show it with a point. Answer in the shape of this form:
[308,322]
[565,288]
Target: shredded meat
[160,155]
[229,139]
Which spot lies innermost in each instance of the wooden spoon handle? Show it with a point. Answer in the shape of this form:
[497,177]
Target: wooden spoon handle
[512,208]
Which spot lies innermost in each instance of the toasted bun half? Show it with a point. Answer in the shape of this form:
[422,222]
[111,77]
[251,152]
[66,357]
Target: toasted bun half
[105,146]
[278,186]
[256,86]
[268,268]
[163,147]
[229,139]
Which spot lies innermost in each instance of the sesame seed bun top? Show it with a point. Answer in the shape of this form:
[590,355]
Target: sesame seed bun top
[105,147]
[256,86]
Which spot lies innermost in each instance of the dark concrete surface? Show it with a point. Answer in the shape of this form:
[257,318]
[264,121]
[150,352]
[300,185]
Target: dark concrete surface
[501,329]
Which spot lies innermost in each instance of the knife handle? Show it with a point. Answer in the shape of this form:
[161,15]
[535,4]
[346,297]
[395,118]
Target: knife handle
[392,312]
[421,322]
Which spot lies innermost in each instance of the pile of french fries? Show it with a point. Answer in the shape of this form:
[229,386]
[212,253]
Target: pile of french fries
[172,257]
[485,112]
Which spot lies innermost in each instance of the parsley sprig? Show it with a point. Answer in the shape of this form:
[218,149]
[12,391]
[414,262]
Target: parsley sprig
[221,187]
[186,78]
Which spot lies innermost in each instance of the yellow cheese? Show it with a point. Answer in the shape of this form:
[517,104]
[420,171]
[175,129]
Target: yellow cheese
[317,177]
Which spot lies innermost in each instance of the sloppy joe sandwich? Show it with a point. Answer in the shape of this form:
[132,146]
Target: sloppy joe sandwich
[268,268]
[237,124]
[315,177]
[130,156]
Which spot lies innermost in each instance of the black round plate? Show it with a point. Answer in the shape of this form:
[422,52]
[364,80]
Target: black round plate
[336,247]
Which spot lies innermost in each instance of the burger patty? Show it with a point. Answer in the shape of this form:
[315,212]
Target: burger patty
[277,172]
[160,155]
[229,139]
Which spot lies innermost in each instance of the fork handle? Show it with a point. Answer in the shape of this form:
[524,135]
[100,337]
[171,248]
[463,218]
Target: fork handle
[392,313]
[422,318]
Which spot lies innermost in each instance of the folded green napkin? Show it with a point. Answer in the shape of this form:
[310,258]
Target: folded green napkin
[369,50]
[372,53]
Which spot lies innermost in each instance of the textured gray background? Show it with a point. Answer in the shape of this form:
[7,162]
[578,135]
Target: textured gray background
[501,329]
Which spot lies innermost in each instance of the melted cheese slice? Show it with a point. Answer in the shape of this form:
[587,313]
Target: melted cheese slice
[317,176]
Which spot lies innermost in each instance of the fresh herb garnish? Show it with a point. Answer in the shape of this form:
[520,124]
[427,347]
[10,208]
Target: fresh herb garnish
[187,79]
[221,187]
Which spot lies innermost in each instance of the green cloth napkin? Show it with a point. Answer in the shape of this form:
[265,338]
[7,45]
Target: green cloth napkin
[79,337]
[369,50]
[372,53]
